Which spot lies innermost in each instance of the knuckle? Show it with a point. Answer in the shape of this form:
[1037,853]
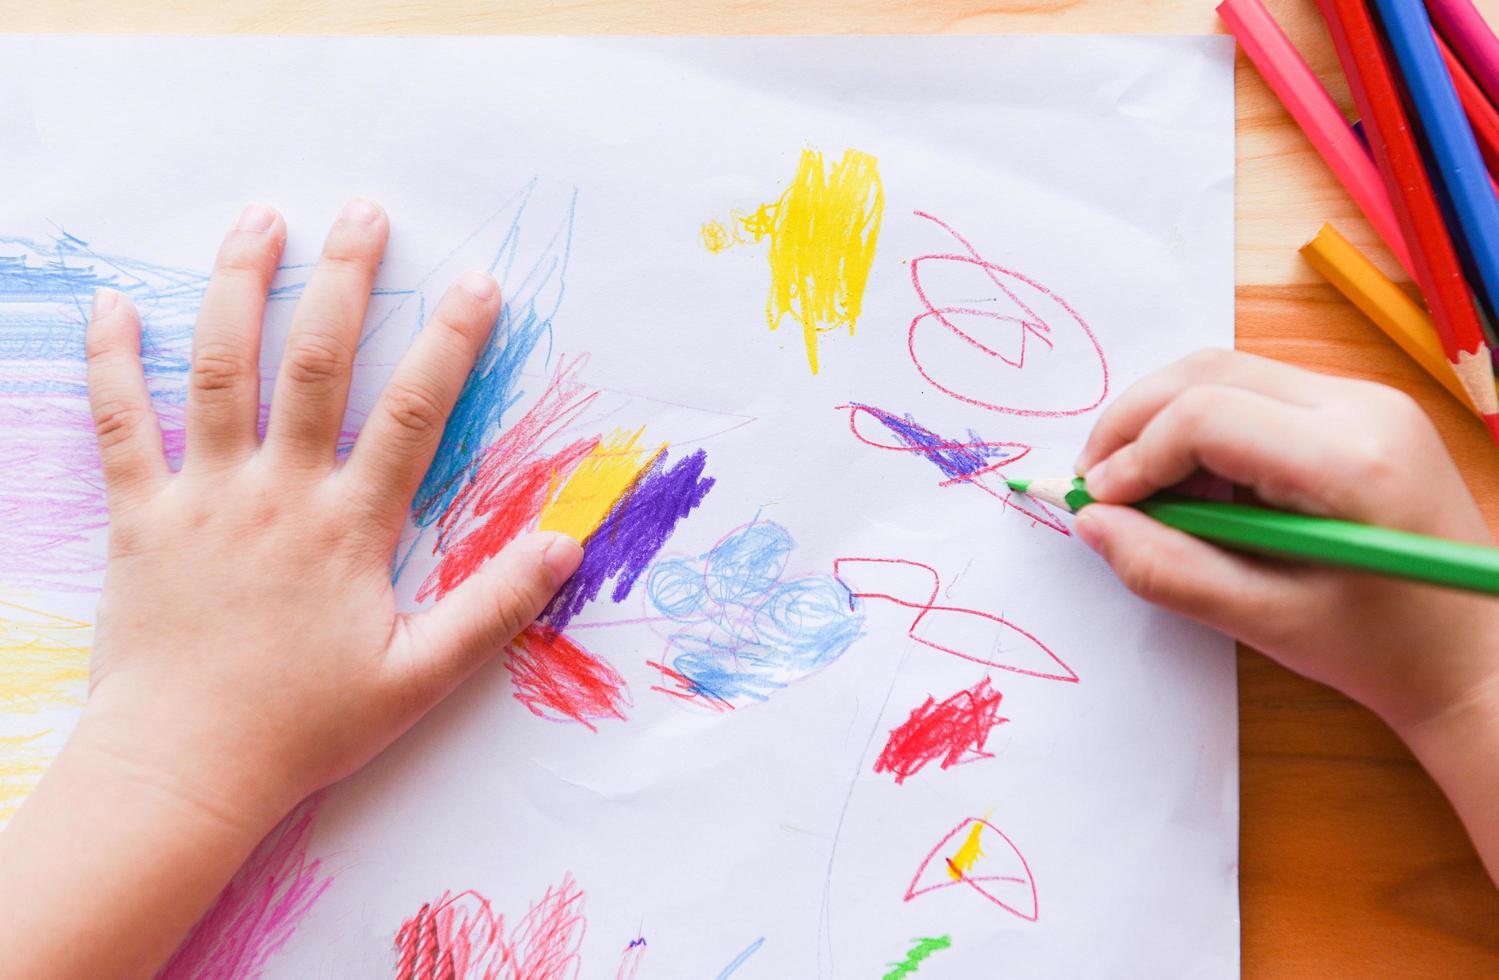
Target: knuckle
[414,408]
[516,608]
[1208,361]
[316,358]
[218,367]
[115,422]
[242,261]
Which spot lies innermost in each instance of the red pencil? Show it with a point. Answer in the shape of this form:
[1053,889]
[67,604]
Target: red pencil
[1435,261]
[1481,114]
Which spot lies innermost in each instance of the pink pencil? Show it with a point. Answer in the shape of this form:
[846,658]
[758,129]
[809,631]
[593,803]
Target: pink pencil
[1471,37]
[1317,115]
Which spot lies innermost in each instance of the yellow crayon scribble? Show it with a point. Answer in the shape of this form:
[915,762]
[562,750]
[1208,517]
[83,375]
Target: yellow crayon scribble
[43,659]
[822,232]
[605,474]
[22,763]
[716,236]
[968,854]
[822,235]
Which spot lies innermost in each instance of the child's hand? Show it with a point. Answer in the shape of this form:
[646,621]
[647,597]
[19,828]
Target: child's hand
[1309,443]
[248,649]
[1425,658]
[248,644]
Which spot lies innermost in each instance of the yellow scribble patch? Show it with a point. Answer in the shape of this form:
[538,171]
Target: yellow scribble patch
[716,236]
[22,762]
[43,659]
[605,474]
[967,855]
[822,232]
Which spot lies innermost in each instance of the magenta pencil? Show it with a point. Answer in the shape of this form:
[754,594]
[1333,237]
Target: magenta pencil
[1463,27]
[1315,112]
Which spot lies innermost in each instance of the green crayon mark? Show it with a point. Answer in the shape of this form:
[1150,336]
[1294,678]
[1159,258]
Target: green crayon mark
[923,948]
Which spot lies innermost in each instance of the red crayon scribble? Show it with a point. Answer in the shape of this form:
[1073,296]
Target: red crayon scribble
[259,910]
[932,618]
[1032,326]
[977,476]
[557,679]
[953,731]
[461,937]
[1000,874]
[510,484]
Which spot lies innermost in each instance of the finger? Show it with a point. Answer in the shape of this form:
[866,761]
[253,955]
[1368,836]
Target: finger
[443,645]
[223,398]
[1229,592]
[402,434]
[312,388]
[1240,435]
[126,425]
[1129,413]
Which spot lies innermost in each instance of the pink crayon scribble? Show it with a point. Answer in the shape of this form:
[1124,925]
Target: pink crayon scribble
[259,910]
[630,959]
[972,353]
[966,633]
[462,937]
[967,855]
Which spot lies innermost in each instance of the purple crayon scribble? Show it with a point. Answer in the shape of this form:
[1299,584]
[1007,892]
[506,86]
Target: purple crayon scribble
[632,535]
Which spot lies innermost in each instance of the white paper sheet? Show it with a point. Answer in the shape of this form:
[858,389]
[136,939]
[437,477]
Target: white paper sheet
[1066,804]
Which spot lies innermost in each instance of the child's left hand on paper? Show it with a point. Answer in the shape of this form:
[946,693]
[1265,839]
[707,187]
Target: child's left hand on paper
[249,651]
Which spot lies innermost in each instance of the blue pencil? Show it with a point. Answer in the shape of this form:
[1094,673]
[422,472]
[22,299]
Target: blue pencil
[1461,177]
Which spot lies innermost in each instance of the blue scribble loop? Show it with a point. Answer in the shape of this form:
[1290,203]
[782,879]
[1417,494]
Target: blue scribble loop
[749,630]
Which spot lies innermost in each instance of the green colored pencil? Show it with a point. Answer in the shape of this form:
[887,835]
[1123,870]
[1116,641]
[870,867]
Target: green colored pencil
[1318,540]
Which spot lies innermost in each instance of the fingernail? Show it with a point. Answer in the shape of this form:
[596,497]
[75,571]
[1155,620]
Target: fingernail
[360,211]
[562,557]
[1077,465]
[1095,476]
[105,300]
[478,285]
[1089,529]
[255,217]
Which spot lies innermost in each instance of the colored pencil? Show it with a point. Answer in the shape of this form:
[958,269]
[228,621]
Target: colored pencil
[1317,540]
[1471,37]
[1315,112]
[1481,114]
[1437,267]
[1381,300]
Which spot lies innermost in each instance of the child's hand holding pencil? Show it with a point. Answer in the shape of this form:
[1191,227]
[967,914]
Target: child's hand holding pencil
[1424,658]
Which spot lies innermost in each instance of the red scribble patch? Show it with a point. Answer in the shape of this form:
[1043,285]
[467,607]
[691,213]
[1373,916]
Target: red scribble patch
[557,679]
[954,731]
[967,633]
[1020,301]
[509,486]
[461,937]
[1000,876]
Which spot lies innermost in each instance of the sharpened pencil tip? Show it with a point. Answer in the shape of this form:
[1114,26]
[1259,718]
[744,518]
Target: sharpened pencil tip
[1019,486]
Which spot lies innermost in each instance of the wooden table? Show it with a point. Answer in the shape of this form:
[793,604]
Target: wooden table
[1352,863]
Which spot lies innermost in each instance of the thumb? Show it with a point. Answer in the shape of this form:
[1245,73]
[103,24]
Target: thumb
[1231,593]
[476,620]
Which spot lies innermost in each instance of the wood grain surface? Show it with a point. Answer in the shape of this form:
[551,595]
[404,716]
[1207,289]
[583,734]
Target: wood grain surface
[1352,864]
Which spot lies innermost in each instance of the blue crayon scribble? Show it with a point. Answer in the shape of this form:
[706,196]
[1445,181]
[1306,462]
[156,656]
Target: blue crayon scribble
[749,629]
[958,460]
[739,960]
[493,387]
